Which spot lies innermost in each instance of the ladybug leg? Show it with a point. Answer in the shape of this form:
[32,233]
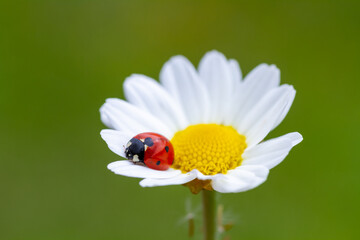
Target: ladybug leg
[139,163]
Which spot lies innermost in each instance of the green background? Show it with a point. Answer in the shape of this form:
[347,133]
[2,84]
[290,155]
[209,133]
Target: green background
[60,60]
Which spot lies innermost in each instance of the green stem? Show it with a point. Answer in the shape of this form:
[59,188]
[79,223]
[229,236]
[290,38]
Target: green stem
[208,202]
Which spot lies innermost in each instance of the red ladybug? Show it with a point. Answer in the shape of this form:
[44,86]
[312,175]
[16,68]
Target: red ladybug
[152,149]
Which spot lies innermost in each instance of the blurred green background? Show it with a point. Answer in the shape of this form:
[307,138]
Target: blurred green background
[60,60]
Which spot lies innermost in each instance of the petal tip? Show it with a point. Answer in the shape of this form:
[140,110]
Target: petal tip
[296,138]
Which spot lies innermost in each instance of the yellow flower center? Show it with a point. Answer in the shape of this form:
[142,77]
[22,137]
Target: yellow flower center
[209,148]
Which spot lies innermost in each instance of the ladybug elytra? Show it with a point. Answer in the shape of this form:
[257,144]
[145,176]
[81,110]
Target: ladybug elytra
[151,149]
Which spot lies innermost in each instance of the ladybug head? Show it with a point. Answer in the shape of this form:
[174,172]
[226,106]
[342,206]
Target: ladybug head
[135,150]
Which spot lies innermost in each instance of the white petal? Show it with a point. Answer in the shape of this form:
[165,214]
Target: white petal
[119,164]
[116,140]
[217,75]
[150,96]
[125,117]
[261,119]
[284,112]
[177,180]
[240,179]
[295,137]
[180,78]
[201,176]
[235,70]
[256,84]
[129,169]
[272,152]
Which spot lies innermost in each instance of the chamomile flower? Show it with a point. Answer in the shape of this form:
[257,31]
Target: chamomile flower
[215,119]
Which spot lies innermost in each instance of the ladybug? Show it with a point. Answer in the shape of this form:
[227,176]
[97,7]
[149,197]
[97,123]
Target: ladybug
[151,149]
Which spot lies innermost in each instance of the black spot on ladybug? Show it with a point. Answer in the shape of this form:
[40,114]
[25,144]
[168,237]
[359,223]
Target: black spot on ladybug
[148,141]
[158,163]
[167,149]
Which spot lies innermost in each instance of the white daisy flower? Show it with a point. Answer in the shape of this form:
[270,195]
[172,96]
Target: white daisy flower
[215,120]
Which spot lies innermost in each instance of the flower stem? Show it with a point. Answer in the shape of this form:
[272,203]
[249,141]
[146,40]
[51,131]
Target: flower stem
[208,202]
